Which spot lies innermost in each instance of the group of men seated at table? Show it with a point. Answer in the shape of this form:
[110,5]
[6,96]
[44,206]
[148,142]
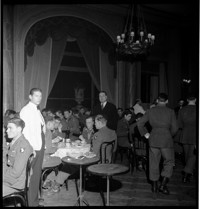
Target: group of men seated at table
[102,134]
[94,132]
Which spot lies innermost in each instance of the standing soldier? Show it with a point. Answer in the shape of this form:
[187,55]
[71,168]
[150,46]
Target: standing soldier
[164,125]
[187,122]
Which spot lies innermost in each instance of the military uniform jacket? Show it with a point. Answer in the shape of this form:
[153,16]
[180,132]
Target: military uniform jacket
[88,134]
[187,121]
[123,133]
[103,135]
[164,126]
[14,172]
[73,126]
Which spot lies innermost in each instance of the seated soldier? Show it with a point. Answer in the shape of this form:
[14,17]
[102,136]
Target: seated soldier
[88,130]
[49,138]
[138,139]
[14,166]
[123,138]
[72,124]
[104,134]
[57,132]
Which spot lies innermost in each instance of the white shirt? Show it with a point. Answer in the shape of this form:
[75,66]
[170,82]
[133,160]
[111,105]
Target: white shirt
[33,120]
[104,104]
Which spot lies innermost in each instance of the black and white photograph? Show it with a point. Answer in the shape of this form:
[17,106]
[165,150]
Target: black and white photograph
[100,104]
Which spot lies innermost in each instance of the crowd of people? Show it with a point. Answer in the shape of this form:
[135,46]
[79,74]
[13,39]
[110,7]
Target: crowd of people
[34,131]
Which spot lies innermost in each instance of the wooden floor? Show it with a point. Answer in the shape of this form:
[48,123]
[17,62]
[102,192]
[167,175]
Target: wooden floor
[132,190]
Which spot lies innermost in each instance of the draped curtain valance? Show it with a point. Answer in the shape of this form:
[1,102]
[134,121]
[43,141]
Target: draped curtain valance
[60,27]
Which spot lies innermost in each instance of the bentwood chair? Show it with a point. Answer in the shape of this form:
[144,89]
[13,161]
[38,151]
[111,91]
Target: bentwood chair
[20,197]
[106,156]
[106,152]
[129,151]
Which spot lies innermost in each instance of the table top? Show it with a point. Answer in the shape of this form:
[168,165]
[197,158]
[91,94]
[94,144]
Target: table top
[50,161]
[82,161]
[107,169]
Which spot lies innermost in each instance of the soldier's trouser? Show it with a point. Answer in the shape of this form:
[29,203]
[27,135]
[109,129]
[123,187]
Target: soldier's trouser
[155,154]
[190,158]
[7,189]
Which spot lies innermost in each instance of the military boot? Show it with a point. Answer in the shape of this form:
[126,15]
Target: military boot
[163,188]
[186,177]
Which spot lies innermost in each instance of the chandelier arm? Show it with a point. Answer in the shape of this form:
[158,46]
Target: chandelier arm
[142,17]
[131,19]
[127,20]
[138,19]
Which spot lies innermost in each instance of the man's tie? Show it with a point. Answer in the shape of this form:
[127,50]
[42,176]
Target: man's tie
[102,106]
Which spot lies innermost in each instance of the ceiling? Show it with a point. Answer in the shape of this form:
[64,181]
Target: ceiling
[175,9]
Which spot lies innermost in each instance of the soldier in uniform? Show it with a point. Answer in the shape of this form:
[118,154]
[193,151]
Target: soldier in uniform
[72,124]
[88,130]
[104,134]
[164,125]
[187,121]
[19,150]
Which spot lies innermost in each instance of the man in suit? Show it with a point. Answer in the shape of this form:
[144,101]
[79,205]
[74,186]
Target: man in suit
[107,109]
[187,122]
[104,134]
[16,157]
[164,125]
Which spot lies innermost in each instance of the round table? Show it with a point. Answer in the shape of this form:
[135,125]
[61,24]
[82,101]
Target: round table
[107,170]
[49,163]
[84,161]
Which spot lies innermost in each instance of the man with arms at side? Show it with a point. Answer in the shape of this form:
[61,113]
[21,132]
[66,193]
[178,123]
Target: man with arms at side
[164,125]
[19,150]
[34,132]
[107,109]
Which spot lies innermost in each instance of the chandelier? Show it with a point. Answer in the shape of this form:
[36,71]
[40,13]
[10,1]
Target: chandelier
[134,43]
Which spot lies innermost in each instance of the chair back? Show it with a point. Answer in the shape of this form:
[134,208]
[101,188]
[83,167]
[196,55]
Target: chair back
[28,176]
[106,152]
[22,193]
[28,171]
[140,143]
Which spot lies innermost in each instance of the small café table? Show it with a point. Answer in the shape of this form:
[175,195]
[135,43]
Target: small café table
[49,163]
[83,161]
[107,170]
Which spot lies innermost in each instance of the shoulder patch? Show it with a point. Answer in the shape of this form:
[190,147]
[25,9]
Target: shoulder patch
[22,149]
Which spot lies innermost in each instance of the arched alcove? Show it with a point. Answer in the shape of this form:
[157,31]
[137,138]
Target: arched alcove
[26,18]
